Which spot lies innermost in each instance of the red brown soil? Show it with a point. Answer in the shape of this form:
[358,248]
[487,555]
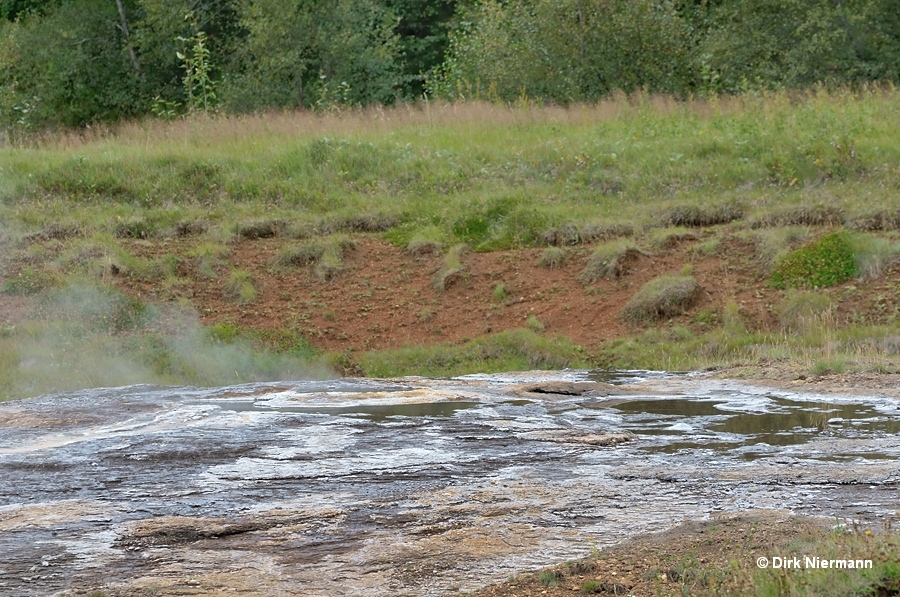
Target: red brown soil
[383,298]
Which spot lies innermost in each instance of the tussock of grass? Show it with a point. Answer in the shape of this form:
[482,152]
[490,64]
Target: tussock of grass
[192,227]
[819,264]
[872,255]
[552,257]
[359,223]
[660,298]
[256,229]
[804,215]
[801,309]
[239,288]
[876,221]
[56,231]
[452,269]
[774,243]
[575,234]
[140,227]
[512,350]
[609,261]
[426,241]
[702,215]
[208,257]
[324,255]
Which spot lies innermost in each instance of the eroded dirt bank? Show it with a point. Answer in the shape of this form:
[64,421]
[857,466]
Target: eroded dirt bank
[412,486]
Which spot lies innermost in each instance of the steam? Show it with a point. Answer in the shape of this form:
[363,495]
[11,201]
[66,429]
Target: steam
[85,336]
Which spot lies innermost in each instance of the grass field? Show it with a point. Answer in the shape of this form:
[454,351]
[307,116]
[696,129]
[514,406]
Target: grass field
[775,171]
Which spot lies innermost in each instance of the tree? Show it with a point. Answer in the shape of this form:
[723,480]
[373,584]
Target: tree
[314,52]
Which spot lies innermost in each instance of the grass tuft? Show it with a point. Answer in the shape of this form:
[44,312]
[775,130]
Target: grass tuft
[696,216]
[256,229]
[552,257]
[452,269]
[610,261]
[324,255]
[575,234]
[660,298]
[801,309]
[239,288]
[804,215]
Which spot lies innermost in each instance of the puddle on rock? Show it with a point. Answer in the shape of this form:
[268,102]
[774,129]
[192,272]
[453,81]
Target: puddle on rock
[409,487]
[776,422]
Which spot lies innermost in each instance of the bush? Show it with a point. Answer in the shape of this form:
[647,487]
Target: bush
[820,264]
[662,297]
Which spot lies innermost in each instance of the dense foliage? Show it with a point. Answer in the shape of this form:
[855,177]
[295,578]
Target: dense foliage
[75,62]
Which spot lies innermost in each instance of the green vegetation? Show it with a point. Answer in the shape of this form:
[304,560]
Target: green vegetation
[882,579]
[239,287]
[549,578]
[661,297]
[820,264]
[609,261]
[552,257]
[325,255]
[167,59]
[512,350]
[451,269]
[490,177]
[761,175]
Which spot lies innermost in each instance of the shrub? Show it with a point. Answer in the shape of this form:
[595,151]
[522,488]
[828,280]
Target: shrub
[820,264]
[661,297]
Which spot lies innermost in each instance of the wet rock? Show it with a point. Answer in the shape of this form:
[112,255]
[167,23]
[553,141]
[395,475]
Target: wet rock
[570,388]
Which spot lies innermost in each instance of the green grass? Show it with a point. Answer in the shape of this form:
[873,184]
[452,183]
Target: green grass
[608,261]
[660,298]
[323,254]
[239,288]
[552,257]
[678,348]
[512,350]
[488,176]
[452,268]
